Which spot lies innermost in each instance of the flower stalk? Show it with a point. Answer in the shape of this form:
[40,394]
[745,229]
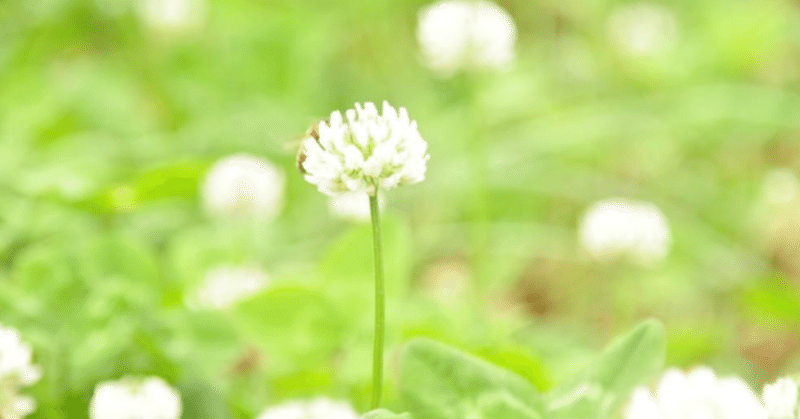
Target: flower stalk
[363,150]
[380,305]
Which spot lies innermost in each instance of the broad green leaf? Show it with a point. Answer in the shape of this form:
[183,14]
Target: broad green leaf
[503,405]
[632,358]
[629,360]
[441,382]
[385,414]
[521,361]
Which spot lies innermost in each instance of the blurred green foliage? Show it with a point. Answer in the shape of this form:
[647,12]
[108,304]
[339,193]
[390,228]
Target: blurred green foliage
[108,127]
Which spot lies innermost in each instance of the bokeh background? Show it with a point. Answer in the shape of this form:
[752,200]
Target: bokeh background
[113,114]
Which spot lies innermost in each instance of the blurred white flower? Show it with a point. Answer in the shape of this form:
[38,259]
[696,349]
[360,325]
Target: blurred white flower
[459,34]
[244,185]
[643,28]
[352,206]
[172,15]
[16,371]
[225,286]
[135,398]
[696,395]
[319,408]
[364,152]
[780,399]
[614,228]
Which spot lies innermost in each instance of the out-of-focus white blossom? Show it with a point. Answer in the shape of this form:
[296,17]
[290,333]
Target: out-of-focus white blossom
[455,35]
[643,29]
[172,15]
[696,395]
[225,286]
[352,206]
[617,227]
[244,185]
[364,151]
[135,398]
[16,371]
[319,408]
[780,399]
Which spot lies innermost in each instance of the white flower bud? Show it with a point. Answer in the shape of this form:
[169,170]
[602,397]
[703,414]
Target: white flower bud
[225,286]
[364,151]
[780,399]
[135,398]
[696,395]
[244,185]
[16,371]
[455,35]
[319,408]
[618,227]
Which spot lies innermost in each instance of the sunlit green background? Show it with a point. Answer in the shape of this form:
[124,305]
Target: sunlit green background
[109,125]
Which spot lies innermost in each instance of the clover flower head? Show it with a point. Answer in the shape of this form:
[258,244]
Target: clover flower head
[698,394]
[319,408]
[780,399]
[244,185]
[456,34]
[224,286]
[364,150]
[135,398]
[618,227]
[16,371]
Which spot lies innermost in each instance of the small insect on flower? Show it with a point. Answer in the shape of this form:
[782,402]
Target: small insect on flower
[311,133]
[363,150]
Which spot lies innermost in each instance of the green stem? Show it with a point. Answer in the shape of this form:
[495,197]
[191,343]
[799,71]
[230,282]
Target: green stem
[479,166]
[380,305]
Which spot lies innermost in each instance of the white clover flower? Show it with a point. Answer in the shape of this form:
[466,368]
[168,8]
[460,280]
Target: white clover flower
[614,228]
[352,206]
[364,151]
[780,399]
[16,371]
[319,408]
[643,29]
[455,35]
[696,395]
[225,286]
[135,398]
[244,185]
[172,15]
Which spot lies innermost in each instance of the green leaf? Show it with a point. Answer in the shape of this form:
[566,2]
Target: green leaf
[627,361]
[503,405]
[351,255]
[441,382]
[385,414]
[292,323]
[521,361]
